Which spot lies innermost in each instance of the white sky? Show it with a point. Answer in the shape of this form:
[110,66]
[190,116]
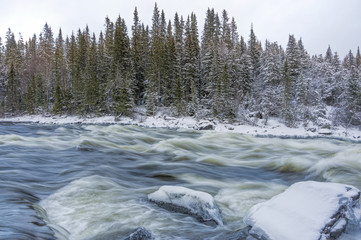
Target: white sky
[319,22]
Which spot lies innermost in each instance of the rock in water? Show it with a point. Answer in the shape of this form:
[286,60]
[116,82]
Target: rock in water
[306,211]
[198,204]
[140,234]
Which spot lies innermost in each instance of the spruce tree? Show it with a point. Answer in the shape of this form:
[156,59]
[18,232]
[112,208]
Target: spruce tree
[170,65]
[71,61]
[288,112]
[59,71]
[358,58]
[12,57]
[329,55]
[102,73]
[293,57]
[254,53]
[179,63]
[138,55]
[46,55]
[191,63]
[156,58]
[2,78]
[122,81]
[92,84]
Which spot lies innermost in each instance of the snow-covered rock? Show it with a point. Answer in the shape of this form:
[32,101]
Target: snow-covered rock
[204,126]
[306,211]
[198,204]
[138,234]
[325,131]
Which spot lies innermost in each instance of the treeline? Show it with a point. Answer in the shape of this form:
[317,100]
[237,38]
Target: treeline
[168,66]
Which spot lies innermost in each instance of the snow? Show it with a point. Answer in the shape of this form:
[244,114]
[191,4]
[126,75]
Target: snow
[197,203]
[273,128]
[302,211]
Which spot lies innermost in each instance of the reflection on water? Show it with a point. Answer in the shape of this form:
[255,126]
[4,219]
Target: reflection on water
[81,182]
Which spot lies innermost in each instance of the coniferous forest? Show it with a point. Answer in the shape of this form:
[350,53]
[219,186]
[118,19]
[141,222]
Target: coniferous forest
[168,65]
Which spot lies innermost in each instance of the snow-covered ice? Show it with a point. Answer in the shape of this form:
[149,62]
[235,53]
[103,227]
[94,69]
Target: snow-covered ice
[306,211]
[185,200]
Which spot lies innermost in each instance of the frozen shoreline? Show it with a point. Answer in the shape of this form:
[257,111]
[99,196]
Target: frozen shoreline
[274,128]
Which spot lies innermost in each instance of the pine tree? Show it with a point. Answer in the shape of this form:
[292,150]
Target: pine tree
[92,84]
[293,57]
[138,55]
[358,58]
[71,61]
[46,54]
[2,78]
[81,56]
[170,65]
[353,97]
[191,64]
[156,58]
[179,63]
[288,111]
[59,69]
[270,74]
[349,61]
[12,57]
[102,73]
[329,55]
[254,53]
[123,79]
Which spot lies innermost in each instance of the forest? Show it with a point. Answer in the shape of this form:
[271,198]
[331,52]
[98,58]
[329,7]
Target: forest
[168,67]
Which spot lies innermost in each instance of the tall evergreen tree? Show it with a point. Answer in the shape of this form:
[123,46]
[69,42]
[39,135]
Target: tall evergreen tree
[254,53]
[46,54]
[59,72]
[191,63]
[12,58]
[123,81]
[288,110]
[329,55]
[156,64]
[358,58]
[138,55]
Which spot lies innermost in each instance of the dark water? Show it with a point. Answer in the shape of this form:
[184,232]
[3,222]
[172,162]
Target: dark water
[84,182]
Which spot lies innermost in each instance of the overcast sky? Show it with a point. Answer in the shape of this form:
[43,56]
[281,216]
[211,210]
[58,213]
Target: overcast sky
[318,22]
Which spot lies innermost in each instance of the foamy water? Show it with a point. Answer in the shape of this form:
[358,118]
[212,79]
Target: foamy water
[90,181]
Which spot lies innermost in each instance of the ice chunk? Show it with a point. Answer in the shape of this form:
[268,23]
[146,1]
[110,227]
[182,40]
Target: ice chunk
[195,203]
[306,211]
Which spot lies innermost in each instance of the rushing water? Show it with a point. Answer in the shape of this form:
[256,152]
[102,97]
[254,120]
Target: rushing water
[91,181]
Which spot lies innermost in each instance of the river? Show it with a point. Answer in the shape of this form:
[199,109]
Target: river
[85,181]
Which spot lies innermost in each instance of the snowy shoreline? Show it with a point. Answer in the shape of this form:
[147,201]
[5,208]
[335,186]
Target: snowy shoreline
[274,128]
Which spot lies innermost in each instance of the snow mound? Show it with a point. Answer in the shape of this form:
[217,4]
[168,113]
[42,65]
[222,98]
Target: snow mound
[306,211]
[201,205]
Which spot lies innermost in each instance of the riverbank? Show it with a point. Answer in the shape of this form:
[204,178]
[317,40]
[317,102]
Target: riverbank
[273,127]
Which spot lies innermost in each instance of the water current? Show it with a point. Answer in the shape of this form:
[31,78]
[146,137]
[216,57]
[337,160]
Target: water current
[91,181]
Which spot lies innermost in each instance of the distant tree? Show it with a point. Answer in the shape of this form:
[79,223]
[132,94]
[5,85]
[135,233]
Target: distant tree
[139,50]
[288,110]
[46,55]
[13,89]
[254,52]
[358,58]
[329,55]
[59,72]
[191,64]
[170,67]
[121,85]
